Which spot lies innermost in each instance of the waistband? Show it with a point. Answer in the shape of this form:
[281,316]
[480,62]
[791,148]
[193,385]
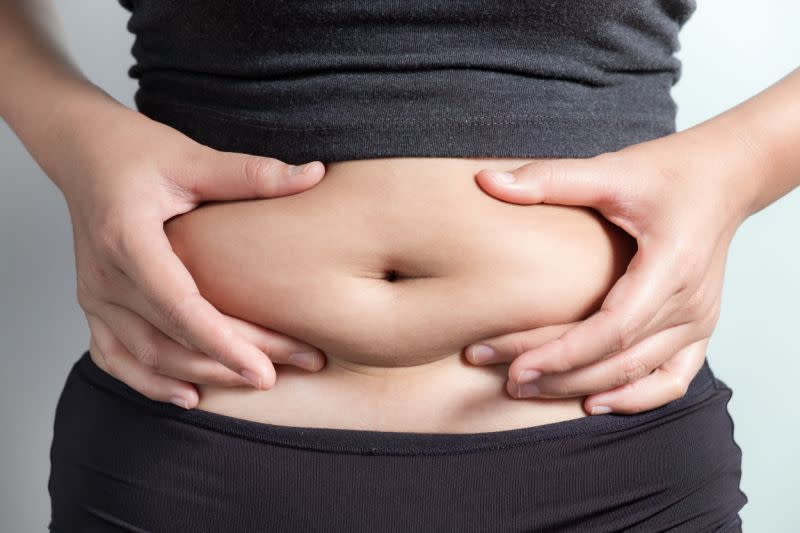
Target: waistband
[368,442]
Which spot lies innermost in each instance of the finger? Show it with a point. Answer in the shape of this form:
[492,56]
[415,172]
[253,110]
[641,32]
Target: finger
[220,175]
[281,348]
[667,383]
[621,368]
[506,348]
[176,307]
[591,182]
[163,355]
[112,357]
[624,318]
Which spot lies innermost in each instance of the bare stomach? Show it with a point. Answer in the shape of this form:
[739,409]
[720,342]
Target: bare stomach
[316,266]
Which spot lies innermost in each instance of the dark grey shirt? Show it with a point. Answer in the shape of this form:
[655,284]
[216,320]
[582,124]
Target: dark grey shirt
[349,79]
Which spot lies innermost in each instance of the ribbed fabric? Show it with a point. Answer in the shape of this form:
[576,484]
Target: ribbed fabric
[122,462]
[345,79]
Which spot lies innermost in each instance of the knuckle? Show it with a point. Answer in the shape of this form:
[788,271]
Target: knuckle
[692,310]
[519,344]
[687,263]
[633,369]
[712,317]
[561,360]
[562,363]
[83,295]
[702,319]
[257,169]
[550,172]
[175,312]
[109,360]
[627,202]
[183,182]
[148,353]
[127,241]
[626,333]
[223,338]
[636,388]
[697,306]
[95,274]
[560,388]
[108,236]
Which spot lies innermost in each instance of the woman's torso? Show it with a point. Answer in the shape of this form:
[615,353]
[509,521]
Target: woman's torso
[313,266]
[359,84]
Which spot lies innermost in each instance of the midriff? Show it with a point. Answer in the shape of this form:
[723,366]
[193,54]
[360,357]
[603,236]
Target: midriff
[313,266]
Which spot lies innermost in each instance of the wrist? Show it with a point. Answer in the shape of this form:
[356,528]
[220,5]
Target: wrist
[759,136]
[55,128]
[724,152]
[711,159]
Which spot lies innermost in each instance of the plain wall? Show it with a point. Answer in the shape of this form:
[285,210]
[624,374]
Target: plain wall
[730,51]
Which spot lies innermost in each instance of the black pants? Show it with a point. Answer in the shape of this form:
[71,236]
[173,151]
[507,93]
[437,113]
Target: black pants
[122,462]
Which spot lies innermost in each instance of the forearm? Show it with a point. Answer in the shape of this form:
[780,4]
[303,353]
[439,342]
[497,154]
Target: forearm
[44,97]
[761,136]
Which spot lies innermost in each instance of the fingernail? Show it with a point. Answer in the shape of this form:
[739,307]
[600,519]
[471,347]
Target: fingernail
[300,169]
[480,353]
[600,409]
[180,402]
[527,389]
[503,177]
[252,377]
[306,360]
[526,376]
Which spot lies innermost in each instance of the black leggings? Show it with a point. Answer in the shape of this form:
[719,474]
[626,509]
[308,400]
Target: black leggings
[123,462]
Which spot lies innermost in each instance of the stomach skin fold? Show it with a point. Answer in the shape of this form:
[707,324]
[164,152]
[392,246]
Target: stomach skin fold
[392,267]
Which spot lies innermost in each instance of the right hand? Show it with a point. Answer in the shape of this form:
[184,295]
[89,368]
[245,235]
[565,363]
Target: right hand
[150,327]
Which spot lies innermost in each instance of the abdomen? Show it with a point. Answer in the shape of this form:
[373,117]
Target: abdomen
[397,262]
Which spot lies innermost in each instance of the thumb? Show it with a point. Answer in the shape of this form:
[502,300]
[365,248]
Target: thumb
[582,182]
[222,175]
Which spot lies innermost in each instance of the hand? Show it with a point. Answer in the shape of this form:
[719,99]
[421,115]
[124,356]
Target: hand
[648,340]
[150,328]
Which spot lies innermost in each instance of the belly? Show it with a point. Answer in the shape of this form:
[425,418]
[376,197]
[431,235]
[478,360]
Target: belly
[391,267]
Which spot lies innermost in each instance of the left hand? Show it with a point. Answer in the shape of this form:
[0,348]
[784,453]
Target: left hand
[648,340]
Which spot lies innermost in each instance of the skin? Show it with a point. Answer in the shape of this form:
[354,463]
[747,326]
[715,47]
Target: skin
[140,301]
[314,266]
[638,351]
[682,197]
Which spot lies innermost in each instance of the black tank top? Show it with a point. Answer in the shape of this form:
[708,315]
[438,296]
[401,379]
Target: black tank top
[348,79]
